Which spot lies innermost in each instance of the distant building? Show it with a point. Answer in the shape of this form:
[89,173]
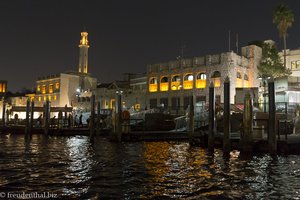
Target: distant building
[61,89]
[171,84]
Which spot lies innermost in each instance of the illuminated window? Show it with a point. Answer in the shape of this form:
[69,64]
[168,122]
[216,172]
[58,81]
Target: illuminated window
[40,98]
[1,87]
[51,88]
[112,104]
[239,81]
[176,82]
[38,88]
[201,80]
[137,107]
[188,81]
[31,98]
[49,98]
[57,85]
[44,89]
[123,104]
[153,84]
[45,98]
[106,104]
[164,83]
[54,97]
[216,78]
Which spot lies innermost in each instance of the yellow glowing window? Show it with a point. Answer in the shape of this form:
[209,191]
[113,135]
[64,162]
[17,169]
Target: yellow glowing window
[51,88]
[106,104]
[175,84]
[153,84]
[188,81]
[216,78]
[45,98]
[54,97]
[112,103]
[1,87]
[44,89]
[123,104]
[38,88]
[57,86]
[137,107]
[164,84]
[31,98]
[49,98]
[40,98]
[201,80]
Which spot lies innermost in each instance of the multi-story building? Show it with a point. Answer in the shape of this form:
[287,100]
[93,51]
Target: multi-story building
[171,84]
[61,89]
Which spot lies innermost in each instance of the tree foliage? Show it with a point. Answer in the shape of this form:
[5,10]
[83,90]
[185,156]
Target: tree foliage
[283,17]
[271,64]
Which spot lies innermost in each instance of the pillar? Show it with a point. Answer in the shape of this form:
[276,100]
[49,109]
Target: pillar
[27,117]
[31,116]
[98,118]
[271,123]
[46,117]
[247,129]
[191,119]
[226,117]
[211,117]
[92,118]
[3,113]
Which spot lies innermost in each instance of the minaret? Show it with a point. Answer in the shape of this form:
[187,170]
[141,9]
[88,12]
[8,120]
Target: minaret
[83,53]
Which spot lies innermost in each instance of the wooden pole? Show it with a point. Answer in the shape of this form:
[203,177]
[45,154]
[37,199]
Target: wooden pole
[226,119]
[46,117]
[247,139]
[271,124]
[119,124]
[191,119]
[27,117]
[92,118]
[211,111]
[98,118]
[31,117]
[3,112]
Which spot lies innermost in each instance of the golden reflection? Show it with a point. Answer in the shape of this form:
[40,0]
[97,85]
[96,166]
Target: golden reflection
[172,164]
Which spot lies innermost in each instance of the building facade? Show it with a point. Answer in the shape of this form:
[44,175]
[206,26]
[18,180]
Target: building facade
[61,89]
[173,83]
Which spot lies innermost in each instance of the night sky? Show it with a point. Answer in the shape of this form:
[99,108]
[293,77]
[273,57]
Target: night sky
[40,38]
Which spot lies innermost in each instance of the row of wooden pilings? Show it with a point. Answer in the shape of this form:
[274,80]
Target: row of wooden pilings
[246,142]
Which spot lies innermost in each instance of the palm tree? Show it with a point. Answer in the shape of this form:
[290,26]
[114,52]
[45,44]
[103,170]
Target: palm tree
[283,17]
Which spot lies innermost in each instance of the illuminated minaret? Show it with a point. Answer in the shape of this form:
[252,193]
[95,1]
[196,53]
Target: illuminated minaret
[83,53]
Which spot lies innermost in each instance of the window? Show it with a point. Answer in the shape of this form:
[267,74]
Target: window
[38,88]
[137,107]
[40,98]
[188,81]
[164,83]
[54,97]
[153,84]
[153,80]
[201,80]
[51,88]
[49,97]
[293,64]
[246,77]
[216,78]
[45,98]
[238,75]
[57,85]
[44,89]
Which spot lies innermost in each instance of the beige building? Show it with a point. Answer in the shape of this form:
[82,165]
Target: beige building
[61,89]
[171,84]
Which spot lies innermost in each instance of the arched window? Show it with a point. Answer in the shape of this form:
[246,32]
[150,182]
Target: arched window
[164,83]
[238,75]
[216,78]
[176,81]
[153,84]
[246,77]
[188,81]
[201,80]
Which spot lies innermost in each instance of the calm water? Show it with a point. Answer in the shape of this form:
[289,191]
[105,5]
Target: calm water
[72,168]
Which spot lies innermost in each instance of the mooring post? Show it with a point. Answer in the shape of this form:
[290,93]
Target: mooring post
[31,117]
[46,117]
[119,121]
[66,116]
[3,112]
[92,118]
[27,117]
[211,122]
[247,129]
[226,119]
[98,118]
[271,124]
[191,119]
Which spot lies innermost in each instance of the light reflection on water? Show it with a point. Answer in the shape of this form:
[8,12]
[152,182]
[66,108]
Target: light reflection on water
[73,168]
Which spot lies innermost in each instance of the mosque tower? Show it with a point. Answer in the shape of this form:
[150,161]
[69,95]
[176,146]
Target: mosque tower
[83,53]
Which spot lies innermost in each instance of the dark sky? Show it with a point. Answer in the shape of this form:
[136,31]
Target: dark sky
[40,38]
